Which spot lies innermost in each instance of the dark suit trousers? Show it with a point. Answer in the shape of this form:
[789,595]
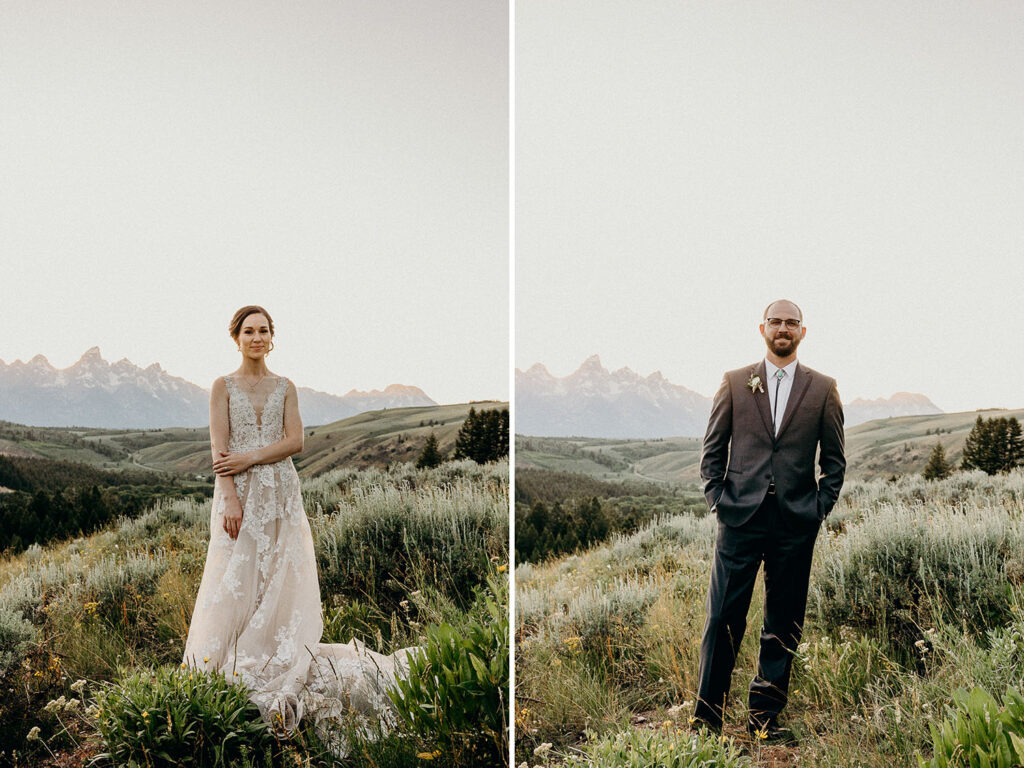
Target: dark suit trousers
[785,547]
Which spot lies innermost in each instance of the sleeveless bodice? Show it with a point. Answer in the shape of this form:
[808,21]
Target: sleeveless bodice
[247,430]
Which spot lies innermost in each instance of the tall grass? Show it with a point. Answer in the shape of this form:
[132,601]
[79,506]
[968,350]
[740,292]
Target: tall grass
[916,592]
[398,550]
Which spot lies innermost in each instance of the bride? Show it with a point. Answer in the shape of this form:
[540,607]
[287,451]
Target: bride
[257,617]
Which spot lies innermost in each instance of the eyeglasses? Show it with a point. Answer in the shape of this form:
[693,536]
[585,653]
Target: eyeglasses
[775,323]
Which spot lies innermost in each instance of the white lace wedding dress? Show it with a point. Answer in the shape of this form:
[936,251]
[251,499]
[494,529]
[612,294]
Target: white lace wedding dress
[258,617]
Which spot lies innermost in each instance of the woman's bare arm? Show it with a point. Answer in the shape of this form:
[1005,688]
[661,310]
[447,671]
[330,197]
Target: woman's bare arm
[219,432]
[228,464]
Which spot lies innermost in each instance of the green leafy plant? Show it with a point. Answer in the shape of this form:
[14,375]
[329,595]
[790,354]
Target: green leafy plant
[454,695]
[179,717]
[665,749]
[979,733]
[839,672]
[354,618]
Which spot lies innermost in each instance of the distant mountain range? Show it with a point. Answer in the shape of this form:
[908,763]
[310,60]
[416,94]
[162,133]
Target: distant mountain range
[596,402]
[95,393]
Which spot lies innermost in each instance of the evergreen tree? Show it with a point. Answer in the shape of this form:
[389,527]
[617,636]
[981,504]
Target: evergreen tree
[1015,444]
[994,445]
[503,433]
[483,436]
[538,517]
[975,446]
[430,457]
[937,468]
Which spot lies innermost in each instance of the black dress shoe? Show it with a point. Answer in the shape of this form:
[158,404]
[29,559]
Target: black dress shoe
[770,732]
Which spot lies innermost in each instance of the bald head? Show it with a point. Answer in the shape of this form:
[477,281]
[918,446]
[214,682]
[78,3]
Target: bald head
[785,304]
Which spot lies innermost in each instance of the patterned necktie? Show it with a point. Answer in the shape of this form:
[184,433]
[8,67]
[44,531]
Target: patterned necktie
[779,376]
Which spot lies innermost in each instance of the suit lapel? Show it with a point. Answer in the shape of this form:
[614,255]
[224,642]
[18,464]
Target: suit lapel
[801,380]
[761,398]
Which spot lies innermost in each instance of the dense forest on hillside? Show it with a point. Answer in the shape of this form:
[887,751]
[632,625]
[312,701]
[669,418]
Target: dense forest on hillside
[32,474]
[562,512]
[548,486]
[50,500]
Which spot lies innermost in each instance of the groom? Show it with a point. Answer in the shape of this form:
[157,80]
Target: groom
[767,422]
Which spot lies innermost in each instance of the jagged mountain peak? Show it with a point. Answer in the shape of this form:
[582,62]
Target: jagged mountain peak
[592,402]
[95,393]
[595,402]
[590,369]
[537,370]
[403,389]
[900,404]
[39,361]
[897,398]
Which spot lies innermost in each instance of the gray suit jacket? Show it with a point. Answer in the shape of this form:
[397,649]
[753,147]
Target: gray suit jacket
[742,456]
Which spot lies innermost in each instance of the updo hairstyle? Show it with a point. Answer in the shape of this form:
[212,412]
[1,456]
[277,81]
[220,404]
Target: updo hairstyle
[235,328]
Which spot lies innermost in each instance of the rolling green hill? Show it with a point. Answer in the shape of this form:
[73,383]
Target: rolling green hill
[378,438]
[882,448]
[374,438]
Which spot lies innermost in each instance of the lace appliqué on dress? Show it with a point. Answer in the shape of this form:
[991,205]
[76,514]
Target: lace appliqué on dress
[258,615]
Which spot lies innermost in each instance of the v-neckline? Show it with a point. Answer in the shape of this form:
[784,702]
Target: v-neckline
[258,416]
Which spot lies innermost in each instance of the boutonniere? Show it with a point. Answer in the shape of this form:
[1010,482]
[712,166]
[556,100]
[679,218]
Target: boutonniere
[754,382]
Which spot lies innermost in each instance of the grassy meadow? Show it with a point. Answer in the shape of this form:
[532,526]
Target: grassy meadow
[92,630]
[875,449]
[912,654]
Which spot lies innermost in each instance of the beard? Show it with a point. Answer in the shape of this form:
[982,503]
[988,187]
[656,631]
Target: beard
[785,350]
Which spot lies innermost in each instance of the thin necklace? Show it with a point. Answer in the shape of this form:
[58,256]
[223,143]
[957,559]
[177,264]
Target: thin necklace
[252,387]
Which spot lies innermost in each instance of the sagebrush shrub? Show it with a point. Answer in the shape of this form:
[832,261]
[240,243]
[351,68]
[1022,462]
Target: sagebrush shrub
[904,568]
[16,636]
[383,541]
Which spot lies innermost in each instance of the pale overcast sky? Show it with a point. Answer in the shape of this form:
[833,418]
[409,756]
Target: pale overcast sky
[343,163]
[680,164]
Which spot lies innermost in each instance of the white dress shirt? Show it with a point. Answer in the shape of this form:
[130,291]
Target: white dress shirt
[785,387]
